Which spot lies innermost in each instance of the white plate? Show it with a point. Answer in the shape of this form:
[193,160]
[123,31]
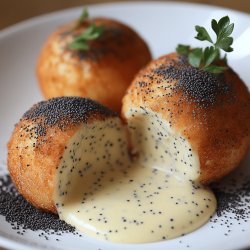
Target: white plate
[163,25]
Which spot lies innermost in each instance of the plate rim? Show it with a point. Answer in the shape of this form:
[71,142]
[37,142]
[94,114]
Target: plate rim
[54,14]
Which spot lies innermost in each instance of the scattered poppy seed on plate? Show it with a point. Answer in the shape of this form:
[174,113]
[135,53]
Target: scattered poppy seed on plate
[22,215]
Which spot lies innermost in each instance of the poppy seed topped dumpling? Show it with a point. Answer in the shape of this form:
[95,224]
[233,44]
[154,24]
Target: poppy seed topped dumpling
[103,72]
[198,120]
[40,138]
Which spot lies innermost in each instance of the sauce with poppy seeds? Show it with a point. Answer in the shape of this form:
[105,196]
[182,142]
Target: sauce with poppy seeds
[105,194]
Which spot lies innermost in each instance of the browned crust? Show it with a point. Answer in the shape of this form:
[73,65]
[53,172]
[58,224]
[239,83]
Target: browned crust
[32,163]
[101,76]
[33,157]
[219,133]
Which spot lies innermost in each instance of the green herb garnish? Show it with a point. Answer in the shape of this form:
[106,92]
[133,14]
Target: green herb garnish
[92,32]
[84,16]
[204,58]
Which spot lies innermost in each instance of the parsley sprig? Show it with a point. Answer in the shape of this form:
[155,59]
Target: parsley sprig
[84,16]
[205,58]
[92,32]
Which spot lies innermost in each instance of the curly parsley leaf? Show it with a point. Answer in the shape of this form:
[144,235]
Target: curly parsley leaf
[80,42]
[84,16]
[215,69]
[92,32]
[205,58]
[183,49]
[210,55]
[202,34]
[195,56]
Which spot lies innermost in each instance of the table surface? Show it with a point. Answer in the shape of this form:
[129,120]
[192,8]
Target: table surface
[13,11]
[30,8]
